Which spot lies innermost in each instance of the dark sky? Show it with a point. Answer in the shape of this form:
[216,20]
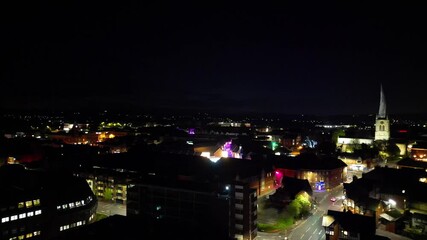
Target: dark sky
[287,59]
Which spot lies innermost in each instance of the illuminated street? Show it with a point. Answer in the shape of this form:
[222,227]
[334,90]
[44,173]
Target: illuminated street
[310,228]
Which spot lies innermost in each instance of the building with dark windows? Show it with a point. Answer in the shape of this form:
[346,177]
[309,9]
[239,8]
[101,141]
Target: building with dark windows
[198,206]
[218,197]
[41,205]
[346,225]
[243,211]
[321,172]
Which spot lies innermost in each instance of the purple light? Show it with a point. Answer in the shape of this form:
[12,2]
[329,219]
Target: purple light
[227,148]
[191,131]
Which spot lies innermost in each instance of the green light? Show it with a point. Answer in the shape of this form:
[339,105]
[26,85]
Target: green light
[274,145]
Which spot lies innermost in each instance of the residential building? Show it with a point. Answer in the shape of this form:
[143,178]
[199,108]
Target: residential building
[38,204]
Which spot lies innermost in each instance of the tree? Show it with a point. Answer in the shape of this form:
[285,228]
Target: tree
[336,134]
[304,201]
[393,150]
[294,208]
[326,148]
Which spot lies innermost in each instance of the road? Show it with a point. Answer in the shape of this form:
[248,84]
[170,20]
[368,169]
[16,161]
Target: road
[310,228]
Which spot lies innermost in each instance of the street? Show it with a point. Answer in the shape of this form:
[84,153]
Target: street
[310,228]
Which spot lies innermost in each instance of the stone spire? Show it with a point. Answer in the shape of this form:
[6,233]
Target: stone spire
[382,112]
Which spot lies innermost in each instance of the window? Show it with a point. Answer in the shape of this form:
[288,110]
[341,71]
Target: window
[14,217]
[71,205]
[58,207]
[30,214]
[64,206]
[38,212]
[29,235]
[5,219]
[22,215]
[29,204]
[21,205]
[36,233]
[36,202]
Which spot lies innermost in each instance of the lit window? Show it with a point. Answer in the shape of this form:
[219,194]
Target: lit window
[30,214]
[36,202]
[21,237]
[61,228]
[5,219]
[78,204]
[14,217]
[345,233]
[79,223]
[29,235]
[38,212]
[36,233]
[83,202]
[71,205]
[22,215]
[29,204]
[58,207]
[21,205]
[64,206]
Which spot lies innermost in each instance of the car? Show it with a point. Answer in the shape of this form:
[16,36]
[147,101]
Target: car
[333,199]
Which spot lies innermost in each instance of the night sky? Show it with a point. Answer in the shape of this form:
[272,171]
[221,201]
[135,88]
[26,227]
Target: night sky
[287,59]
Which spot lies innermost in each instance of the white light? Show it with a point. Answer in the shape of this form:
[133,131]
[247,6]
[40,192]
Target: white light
[224,154]
[205,154]
[214,159]
[403,191]
[392,202]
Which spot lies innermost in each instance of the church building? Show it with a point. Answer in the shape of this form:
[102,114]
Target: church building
[382,124]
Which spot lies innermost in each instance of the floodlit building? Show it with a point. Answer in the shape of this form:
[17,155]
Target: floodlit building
[41,205]
[382,123]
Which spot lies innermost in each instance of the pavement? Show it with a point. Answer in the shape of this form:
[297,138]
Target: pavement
[108,208]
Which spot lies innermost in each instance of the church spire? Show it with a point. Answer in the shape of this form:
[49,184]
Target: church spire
[382,110]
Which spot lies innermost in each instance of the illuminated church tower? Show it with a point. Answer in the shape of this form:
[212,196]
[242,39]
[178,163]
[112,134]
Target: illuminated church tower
[382,124]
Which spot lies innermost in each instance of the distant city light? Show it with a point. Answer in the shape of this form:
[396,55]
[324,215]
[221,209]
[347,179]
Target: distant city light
[392,202]
[191,131]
